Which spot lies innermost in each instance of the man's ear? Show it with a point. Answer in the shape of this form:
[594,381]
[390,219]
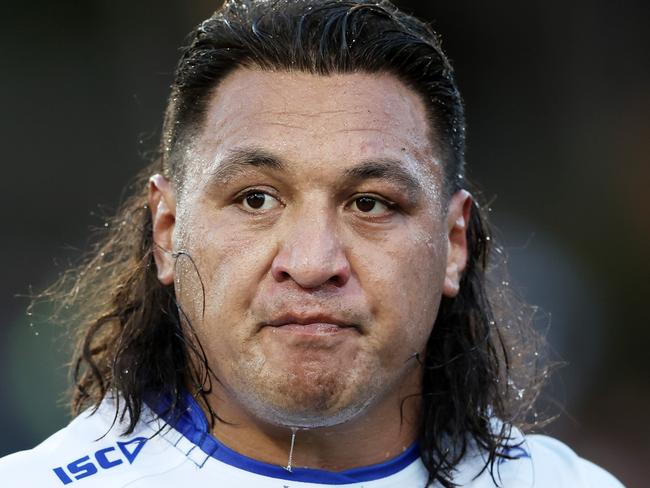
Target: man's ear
[162,203]
[458,215]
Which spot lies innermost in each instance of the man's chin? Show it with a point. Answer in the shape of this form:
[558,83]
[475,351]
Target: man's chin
[304,408]
[307,388]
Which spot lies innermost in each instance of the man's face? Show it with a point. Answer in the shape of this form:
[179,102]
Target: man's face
[313,213]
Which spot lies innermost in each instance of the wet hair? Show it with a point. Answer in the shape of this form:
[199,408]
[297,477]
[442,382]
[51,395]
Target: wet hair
[482,359]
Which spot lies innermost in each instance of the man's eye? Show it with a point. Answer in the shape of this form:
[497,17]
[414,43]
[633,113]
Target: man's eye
[371,205]
[258,200]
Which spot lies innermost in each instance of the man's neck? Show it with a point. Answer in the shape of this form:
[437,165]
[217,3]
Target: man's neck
[380,433]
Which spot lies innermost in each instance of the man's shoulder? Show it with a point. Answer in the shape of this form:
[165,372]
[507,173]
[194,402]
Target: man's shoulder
[556,464]
[90,448]
[541,461]
[533,461]
[24,467]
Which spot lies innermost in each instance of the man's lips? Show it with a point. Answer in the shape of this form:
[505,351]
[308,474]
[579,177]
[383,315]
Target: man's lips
[311,329]
[310,324]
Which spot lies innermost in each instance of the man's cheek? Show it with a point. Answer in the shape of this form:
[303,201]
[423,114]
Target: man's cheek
[416,304]
[230,285]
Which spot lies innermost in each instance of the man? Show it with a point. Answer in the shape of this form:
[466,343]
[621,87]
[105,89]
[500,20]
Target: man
[297,297]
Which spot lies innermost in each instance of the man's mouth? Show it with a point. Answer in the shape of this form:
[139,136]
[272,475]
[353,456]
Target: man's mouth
[311,324]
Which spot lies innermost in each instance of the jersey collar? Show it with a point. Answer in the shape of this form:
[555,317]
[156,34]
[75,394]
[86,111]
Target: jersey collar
[190,422]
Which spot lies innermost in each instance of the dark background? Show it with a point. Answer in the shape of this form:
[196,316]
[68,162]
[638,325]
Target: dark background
[557,102]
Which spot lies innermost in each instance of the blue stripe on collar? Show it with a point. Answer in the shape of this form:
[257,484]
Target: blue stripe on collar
[190,421]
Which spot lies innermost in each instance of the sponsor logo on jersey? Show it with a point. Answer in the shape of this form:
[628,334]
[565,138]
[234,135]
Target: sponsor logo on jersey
[101,459]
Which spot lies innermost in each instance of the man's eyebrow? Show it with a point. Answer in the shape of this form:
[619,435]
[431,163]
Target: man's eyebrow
[239,160]
[388,169]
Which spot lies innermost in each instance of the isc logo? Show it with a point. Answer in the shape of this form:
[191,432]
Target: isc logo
[105,458]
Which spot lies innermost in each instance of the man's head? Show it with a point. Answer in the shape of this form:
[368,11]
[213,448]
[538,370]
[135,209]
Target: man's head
[307,251]
[336,120]
[309,110]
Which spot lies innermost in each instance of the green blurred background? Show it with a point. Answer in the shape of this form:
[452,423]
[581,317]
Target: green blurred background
[557,101]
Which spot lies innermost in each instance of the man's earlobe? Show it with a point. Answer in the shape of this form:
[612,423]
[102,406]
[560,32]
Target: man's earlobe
[458,215]
[162,204]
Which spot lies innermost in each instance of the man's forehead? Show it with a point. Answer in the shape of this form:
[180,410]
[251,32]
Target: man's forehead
[249,101]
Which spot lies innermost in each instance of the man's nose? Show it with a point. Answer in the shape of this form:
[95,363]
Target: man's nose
[311,254]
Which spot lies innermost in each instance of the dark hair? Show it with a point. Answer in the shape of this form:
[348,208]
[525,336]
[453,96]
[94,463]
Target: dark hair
[131,339]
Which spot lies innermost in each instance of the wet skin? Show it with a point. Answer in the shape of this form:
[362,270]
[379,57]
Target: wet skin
[313,210]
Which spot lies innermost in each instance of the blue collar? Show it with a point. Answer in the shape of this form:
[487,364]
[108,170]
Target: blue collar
[190,421]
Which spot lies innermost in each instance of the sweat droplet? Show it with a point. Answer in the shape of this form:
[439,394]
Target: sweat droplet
[293,442]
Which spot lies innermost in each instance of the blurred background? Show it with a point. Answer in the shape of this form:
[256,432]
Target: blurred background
[557,103]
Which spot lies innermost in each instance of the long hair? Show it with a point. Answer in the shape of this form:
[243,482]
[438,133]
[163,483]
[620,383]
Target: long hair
[481,360]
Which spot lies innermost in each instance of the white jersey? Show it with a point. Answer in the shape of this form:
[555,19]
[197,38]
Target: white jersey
[91,453]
